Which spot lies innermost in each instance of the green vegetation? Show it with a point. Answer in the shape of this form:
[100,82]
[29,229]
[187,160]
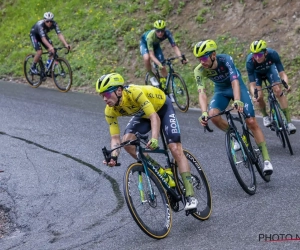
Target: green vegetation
[105,34]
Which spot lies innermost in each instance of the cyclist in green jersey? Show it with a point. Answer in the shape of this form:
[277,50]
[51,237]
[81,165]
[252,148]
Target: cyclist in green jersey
[150,109]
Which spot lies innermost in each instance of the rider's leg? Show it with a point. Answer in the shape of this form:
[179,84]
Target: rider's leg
[218,120]
[258,137]
[282,101]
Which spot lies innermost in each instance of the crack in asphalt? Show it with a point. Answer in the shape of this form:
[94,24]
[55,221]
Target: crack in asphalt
[113,182]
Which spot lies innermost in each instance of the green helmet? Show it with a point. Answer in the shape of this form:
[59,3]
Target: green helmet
[159,24]
[204,47]
[109,82]
[258,46]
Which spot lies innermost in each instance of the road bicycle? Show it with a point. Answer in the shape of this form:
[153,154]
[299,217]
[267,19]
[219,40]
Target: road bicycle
[279,122]
[58,69]
[149,196]
[248,153]
[174,84]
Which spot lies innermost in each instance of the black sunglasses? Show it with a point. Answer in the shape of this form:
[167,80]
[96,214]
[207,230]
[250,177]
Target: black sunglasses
[49,21]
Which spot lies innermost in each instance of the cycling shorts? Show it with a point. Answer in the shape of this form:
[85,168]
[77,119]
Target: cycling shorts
[37,42]
[169,123]
[272,76]
[156,49]
[222,97]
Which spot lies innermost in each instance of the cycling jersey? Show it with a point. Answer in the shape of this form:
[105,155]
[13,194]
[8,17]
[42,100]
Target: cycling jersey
[140,102]
[40,30]
[269,68]
[222,76]
[149,41]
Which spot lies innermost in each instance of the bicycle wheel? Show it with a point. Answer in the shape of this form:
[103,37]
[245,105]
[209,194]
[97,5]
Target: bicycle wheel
[180,92]
[34,80]
[240,163]
[257,157]
[152,214]
[201,186]
[62,74]
[283,125]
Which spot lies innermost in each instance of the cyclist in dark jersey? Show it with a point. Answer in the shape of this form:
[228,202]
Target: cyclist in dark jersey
[39,36]
[150,47]
[150,109]
[228,86]
[263,61]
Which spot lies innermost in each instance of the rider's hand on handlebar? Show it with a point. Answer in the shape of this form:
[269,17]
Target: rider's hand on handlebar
[112,162]
[238,105]
[51,50]
[203,118]
[152,144]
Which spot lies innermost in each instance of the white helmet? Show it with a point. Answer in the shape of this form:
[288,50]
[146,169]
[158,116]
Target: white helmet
[48,16]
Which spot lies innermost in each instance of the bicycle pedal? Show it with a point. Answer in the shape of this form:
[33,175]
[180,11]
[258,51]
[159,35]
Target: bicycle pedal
[191,211]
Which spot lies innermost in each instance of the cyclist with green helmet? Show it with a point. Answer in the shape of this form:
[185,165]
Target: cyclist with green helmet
[150,47]
[221,70]
[151,109]
[263,61]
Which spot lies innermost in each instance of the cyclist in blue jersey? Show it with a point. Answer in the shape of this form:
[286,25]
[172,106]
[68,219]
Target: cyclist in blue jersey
[150,47]
[263,61]
[221,70]
[38,36]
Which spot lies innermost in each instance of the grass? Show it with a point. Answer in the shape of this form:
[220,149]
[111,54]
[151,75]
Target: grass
[105,35]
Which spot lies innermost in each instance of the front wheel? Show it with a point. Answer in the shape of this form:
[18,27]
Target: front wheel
[200,184]
[62,74]
[147,201]
[34,80]
[283,125]
[180,92]
[240,162]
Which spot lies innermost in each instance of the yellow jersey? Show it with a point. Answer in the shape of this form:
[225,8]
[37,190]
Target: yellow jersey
[136,100]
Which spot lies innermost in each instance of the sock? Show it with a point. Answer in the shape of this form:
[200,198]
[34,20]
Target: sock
[286,112]
[264,151]
[187,182]
[264,112]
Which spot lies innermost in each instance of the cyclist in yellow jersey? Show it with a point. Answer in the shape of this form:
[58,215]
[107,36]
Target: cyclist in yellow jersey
[150,109]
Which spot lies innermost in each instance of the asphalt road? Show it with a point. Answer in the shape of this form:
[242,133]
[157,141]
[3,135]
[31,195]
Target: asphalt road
[58,195]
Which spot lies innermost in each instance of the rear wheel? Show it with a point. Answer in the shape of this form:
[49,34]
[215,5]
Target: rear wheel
[62,74]
[201,186]
[147,201]
[240,163]
[180,92]
[34,80]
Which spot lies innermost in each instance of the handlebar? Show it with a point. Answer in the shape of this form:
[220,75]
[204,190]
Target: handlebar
[168,60]
[139,139]
[270,86]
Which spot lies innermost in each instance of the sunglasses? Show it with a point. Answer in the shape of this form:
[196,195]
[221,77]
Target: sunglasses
[160,30]
[49,21]
[107,94]
[258,55]
[204,58]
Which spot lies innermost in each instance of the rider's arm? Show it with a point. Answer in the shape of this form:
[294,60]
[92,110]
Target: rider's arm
[115,142]
[62,38]
[154,59]
[252,86]
[49,45]
[155,125]
[198,71]
[236,89]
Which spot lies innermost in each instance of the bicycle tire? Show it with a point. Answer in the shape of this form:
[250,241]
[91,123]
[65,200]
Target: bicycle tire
[62,74]
[153,217]
[283,125]
[240,163]
[180,92]
[201,186]
[34,80]
[257,157]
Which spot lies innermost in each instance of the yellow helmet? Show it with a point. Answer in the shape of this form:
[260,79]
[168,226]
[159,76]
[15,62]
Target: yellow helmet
[204,47]
[109,82]
[159,24]
[258,46]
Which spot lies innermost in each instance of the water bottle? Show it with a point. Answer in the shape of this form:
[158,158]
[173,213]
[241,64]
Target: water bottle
[154,81]
[168,176]
[245,140]
[48,63]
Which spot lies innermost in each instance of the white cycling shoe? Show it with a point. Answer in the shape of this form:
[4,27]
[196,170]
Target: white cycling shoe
[267,121]
[268,168]
[191,203]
